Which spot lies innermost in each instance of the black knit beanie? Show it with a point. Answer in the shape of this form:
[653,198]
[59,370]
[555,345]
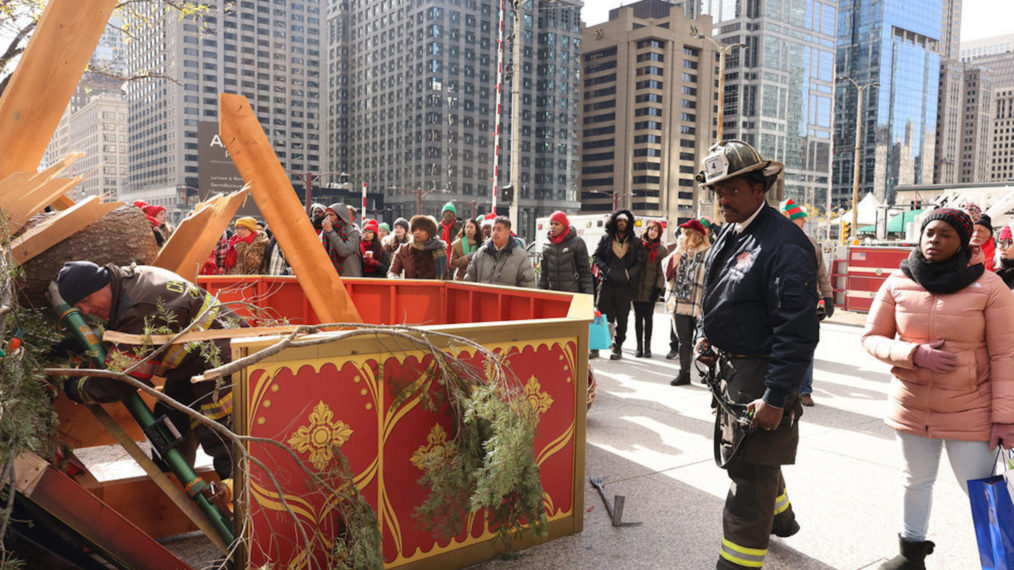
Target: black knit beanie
[78,279]
[957,219]
[986,222]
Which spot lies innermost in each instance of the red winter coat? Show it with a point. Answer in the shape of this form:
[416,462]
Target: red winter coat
[977,324]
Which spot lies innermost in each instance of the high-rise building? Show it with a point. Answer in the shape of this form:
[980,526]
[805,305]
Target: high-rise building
[99,129]
[1001,164]
[998,70]
[412,102]
[649,103]
[889,43]
[779,89]
[267,50]
[987,46]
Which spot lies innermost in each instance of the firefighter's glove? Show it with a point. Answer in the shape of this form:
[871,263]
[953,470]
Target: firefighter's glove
[74,387]
[1002,433]
[928,356]
[65,349]
[828,307]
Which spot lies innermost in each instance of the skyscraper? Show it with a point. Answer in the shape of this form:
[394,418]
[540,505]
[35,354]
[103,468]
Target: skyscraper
[649,102]
[779,90]
[267,50]
[412,102]
[898,46]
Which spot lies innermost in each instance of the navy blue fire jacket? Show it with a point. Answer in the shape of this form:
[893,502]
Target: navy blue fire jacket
[760,299]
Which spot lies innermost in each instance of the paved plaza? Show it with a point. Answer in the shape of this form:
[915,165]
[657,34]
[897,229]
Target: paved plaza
[652,443]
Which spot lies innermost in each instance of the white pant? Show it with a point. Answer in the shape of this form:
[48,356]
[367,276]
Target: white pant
[969,460]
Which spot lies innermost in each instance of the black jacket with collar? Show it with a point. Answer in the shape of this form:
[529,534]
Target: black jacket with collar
[760,299]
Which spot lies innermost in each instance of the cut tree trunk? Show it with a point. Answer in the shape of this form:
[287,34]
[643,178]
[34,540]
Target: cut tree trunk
[123,236]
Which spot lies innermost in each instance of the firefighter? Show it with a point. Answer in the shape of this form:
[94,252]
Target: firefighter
[760,329]
[138,297]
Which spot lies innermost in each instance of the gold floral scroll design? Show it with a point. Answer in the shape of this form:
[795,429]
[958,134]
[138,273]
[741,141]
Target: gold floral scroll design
[436,441]
[540,401]
[320,437]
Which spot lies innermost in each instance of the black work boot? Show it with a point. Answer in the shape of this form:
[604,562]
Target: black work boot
[912,557]
[682,380]
[640,348]
[617,352]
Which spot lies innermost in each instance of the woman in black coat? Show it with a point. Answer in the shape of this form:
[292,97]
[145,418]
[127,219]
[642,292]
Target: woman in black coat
[565,265]
[618,259]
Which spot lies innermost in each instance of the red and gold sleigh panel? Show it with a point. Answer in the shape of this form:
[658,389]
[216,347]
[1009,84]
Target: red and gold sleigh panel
[342,396]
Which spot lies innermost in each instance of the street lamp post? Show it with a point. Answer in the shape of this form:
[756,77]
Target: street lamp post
[722,50]
[308,179]
[856,159]
[614,195]
[419,195]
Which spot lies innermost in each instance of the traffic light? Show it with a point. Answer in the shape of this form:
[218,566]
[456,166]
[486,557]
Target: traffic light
[845,232]
[507,194]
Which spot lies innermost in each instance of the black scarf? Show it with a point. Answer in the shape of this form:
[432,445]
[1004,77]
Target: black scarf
[945,277]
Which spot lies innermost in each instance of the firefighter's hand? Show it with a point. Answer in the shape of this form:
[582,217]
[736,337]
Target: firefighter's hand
[764,415]
[705,354]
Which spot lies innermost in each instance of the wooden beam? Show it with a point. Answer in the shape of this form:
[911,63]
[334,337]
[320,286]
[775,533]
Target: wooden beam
[177,495]
[35,199]
[189,246]
[116,337]
[59,227]
[257,163]
[45,79]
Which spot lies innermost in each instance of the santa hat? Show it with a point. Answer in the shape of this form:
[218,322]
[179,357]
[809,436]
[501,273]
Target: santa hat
[487,220]
[140,204]
[559,217]
[371,226]
[793,210]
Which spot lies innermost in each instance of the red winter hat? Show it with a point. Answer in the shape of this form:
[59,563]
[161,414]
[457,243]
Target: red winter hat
[153,211]
[140,204]
[371,225]
[560,217]
[693,224]
[1004,233]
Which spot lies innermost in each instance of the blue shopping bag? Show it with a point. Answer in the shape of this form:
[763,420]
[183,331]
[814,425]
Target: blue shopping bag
[598,333]
[993,517]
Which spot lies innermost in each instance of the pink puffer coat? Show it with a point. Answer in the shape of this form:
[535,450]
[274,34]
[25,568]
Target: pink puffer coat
[977,324]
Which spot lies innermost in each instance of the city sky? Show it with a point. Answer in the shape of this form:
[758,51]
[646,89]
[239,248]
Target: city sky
[979,19]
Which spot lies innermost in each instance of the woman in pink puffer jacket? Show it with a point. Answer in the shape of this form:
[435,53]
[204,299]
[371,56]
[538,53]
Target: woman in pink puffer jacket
[946,327]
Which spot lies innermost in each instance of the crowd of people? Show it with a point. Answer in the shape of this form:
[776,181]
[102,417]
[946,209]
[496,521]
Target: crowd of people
[745,301]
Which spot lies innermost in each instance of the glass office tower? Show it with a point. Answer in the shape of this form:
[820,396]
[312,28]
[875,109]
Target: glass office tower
[778,91]
[896,44]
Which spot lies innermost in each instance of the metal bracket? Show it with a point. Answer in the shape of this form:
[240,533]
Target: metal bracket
[615,511]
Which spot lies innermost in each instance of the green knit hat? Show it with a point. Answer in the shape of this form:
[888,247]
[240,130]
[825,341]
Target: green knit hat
[793,210]
[384,226]
[449,206]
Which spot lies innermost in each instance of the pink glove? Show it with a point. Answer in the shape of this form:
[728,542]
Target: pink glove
[1003,432]
[927,356]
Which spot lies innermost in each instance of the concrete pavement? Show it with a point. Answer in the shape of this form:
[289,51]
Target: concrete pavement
[652,443]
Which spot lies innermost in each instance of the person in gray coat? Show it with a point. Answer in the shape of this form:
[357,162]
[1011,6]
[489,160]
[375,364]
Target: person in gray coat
[565,262]
[501,260]
[341,241]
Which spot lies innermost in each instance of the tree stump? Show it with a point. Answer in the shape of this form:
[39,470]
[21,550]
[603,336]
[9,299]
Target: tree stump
[123,236]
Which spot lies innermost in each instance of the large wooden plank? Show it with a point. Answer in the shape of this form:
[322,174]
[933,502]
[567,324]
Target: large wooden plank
[46,77]
[250,149]
[188,248]
[60,227]
[36,199]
